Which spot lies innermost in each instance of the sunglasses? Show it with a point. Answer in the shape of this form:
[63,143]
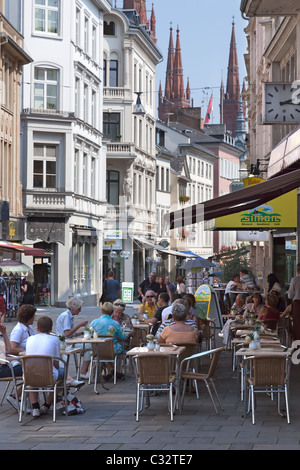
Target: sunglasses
[119,305]
[150,296]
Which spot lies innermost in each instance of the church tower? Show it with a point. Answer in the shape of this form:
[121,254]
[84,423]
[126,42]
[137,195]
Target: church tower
[175,97]
[140,7]
[232,95]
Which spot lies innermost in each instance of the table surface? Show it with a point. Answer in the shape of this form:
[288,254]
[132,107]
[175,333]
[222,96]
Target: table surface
[78,339]
[263,352]
[142,325]
[167,350]
[270,340]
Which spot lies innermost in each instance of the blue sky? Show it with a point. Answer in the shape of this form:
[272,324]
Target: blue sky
[205,32]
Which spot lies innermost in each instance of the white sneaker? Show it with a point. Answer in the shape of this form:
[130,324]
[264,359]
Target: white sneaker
[36,412]
[12,401]
[84,376]
[76,383]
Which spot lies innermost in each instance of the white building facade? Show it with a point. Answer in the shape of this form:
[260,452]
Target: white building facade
[63,160]
[130,59]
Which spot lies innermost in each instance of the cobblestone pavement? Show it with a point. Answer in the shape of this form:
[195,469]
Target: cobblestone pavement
[108,422]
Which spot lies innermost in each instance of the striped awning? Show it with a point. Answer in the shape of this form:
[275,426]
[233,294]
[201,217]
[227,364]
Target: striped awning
[246,198]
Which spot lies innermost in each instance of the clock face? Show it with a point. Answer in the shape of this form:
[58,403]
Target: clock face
[282,103]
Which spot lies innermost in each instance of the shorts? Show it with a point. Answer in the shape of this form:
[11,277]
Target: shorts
[2,305]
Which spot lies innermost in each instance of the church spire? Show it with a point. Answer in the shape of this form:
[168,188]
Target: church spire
[233,85]
[231,102]
[170,68]
[178,85]
[175,96]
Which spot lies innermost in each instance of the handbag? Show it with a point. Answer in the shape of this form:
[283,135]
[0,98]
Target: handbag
[21,298]
[103,296]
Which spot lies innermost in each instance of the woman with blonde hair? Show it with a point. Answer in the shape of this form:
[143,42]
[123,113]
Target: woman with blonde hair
[28,289]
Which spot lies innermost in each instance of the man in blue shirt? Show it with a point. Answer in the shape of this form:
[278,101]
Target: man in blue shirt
[112,288]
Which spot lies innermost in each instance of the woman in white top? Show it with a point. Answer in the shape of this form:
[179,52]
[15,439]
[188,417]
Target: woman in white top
[180,288]
[23,329]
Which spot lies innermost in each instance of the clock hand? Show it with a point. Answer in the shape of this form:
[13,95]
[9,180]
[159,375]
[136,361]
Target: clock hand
[282,103]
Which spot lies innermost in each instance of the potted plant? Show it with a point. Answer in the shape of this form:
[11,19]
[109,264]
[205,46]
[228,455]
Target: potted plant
[184,198]
[62,340]
[118,137]
[87,333]
[253,343]
[150,343]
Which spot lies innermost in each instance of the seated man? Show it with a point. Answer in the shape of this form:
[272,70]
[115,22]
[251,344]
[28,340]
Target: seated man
[163,303]
[105,325]
[65,327]
[5,371]
[149,305]
[44,344]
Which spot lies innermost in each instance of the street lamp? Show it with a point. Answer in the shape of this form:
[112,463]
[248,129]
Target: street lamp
[138,108]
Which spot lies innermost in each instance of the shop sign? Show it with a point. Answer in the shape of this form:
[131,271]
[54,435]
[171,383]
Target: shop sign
[280,212]
[113,235]
[50,232]
[15,230]
[252,180]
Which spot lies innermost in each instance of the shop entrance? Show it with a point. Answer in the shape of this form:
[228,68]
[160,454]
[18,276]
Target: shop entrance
[42,276]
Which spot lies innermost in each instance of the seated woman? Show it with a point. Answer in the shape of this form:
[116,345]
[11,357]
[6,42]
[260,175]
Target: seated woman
[179,331]
[23,329]
[124,319]
[105,325]
[270,314]
[255,305]
[5,370]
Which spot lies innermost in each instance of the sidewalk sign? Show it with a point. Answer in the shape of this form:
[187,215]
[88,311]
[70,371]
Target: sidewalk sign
[207,304]
[127,292]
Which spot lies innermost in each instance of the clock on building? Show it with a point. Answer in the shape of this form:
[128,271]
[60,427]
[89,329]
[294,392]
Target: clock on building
[282,103]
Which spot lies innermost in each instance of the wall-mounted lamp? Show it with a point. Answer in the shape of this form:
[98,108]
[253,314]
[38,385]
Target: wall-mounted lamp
[138,108]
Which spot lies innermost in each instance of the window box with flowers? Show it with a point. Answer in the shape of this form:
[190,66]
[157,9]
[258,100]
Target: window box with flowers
[183,198]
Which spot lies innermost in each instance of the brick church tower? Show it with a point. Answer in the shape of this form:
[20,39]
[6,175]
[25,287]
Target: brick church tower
[175,97]
[230,100]
[140,7]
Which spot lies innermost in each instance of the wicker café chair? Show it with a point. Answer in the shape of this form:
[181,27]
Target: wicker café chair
[207,378]
[269,374]
[38,376]
[13,380]
[103,353]
[139,337]
[153,374]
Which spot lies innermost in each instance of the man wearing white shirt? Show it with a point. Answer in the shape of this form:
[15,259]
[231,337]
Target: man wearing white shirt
[44,344]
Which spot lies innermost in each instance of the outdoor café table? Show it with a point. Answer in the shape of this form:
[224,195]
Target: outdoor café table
[245,353]
[171,350]
[84,341]
[269,341]
[144,326]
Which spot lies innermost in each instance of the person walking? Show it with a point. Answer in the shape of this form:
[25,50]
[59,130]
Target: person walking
[294,295]
[3,289]
[28,290]
[112,288]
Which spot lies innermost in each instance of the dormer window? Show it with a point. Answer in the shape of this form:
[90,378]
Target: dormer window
[109,28]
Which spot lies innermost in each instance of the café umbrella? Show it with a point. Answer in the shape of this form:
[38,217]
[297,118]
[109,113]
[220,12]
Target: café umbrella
[14,267]
[197,263]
